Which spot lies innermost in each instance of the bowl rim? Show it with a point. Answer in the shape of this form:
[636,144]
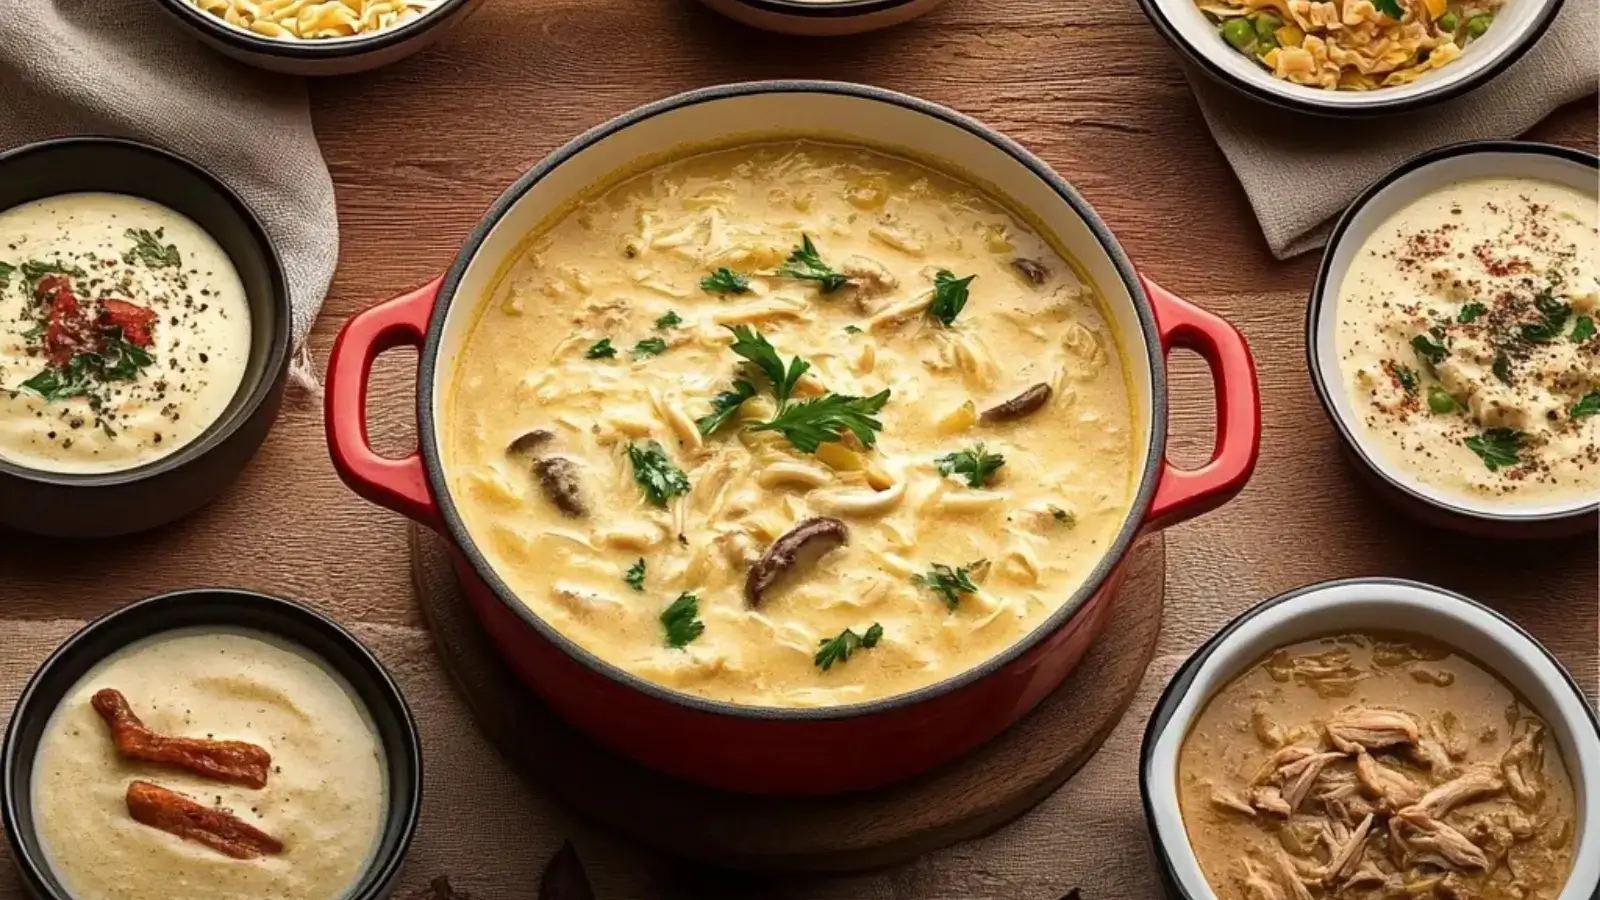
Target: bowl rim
[1378,106]
[824,9]
[214,27]
[1111,559]
[1163,714]
[382,869]
[1321,295]
[223,429]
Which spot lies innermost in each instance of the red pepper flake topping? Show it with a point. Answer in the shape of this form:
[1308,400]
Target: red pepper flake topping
[235,762]
[222,831]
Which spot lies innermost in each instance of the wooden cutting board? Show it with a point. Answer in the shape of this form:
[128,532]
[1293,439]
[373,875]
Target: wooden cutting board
[967,798]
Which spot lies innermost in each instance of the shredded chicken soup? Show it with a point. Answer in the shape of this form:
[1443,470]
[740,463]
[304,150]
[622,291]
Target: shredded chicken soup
[1371,767]
[791,424]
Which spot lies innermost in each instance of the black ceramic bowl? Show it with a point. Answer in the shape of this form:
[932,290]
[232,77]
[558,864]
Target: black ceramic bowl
[311,631]
[822,18]
[103,505]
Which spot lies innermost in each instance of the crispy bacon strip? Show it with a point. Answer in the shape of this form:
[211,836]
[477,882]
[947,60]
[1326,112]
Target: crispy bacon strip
[157,807]
[232,761]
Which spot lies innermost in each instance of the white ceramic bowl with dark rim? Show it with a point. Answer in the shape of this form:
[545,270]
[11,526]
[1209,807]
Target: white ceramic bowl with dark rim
[822,18]
[1517,27]
[1422,175]
[322,56]
[779,750]
[117,503]
[1355,605]
[316,634]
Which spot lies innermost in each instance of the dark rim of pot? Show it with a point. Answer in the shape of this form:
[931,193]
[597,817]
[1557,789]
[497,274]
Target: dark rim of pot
[278,352]
[1183,679]
[330,49]
[402,813]
[1158,18]
[1323,293]
[839,9]
[1140,502]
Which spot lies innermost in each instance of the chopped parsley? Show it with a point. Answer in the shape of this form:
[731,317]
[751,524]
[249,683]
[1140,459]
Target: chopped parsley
[724,406]
[838,649]
[655,474]
[1390,8]
[648,347]
[949,583]
[949,296]
[1582,330]
[682,621]
[1065,518]
[1588,406]
[806,264]
[1502,367]
[670,320]
[6,270]
[1470,312]
[823,420]
[635,576]
[148,249]
[851,329]
[119,361]
[1407,377]
[1429,351]
[750,344]
[600,349]
[976,464]
[1497,447]
[1555,315]
[34,271]
[725,281]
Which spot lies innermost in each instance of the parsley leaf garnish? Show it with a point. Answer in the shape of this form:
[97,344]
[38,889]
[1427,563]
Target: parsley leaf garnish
[949,296]
[1588,406]
[1064,517]
[725,281]
[1407,377]
[670,320]
[976,464]
[5,275]
[1582,330]
[648,347]
[1470,312]
[805,263]
[949,583]
[822,420]
[147,248]
[838,649]
[635,576]
[119,361]
[1390,8]
[1497,447]
[1502,367]
[1555,315]
[724,406]
[655,474]
[600,349]
[682,621]
[750,344]
[851,329]
[34,271]
[1430,352]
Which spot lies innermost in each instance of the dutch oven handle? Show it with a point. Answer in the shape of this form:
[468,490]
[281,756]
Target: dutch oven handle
[1185,493]
[400,484]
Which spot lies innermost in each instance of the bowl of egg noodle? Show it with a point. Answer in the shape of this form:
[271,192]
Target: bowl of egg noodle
[319,37]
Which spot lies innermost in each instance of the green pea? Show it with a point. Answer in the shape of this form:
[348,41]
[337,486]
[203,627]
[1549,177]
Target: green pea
[1477,25]
[1449,22]
[1240,33]
[1440,401]
[1267,26]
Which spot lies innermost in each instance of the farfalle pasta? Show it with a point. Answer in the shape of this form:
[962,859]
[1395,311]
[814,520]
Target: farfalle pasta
[1353,45]
[315,19]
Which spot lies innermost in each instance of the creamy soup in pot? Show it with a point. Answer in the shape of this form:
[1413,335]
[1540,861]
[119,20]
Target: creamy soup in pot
[209,765]
[124,333]
[1467,340]
[791,424]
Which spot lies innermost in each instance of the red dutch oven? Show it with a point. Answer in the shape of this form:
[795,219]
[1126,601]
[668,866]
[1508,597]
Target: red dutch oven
[772,750]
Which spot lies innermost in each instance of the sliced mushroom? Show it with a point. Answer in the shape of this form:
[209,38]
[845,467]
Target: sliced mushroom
[559,477]
[1021,406]
[531,441]
[804,542]
[1031,269]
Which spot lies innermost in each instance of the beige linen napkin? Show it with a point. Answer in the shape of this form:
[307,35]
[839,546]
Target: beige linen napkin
[70,67]
[1301,171]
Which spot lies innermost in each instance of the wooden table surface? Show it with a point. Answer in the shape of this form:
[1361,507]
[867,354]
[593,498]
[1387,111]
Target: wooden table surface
[418,150]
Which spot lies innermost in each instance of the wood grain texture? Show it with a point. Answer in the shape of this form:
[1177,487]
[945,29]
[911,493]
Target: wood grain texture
[418,150]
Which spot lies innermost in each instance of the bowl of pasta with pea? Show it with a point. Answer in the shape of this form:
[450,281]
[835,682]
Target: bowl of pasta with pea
[319,37]
[1352,57]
